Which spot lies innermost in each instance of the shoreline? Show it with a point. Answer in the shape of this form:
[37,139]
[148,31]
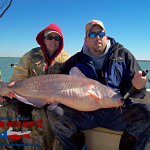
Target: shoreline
[20,57]
[10,57]
[144,60]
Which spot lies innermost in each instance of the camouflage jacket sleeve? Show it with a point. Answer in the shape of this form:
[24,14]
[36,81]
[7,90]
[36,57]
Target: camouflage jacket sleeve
[21,70]
[33,63]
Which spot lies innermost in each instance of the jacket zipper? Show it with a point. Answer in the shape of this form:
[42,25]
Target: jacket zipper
[46,69]
[119,72]
[105,63]
[51,66]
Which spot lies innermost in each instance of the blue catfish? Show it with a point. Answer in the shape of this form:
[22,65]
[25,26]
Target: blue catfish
[74,90]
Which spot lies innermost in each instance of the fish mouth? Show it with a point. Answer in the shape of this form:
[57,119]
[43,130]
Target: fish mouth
[120,101]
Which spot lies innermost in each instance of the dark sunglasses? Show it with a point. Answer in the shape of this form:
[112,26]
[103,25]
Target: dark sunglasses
[49,37]
[93,35]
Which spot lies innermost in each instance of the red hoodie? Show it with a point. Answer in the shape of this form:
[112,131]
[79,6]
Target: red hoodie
[39,39]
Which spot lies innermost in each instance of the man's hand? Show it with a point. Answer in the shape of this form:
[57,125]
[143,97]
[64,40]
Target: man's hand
[11,94]
[139,81]
[2,99]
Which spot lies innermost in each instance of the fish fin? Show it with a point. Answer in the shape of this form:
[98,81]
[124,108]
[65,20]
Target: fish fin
[31,101]
[76,72]
[92,93]
[14,82]
[11,84]
[53,106]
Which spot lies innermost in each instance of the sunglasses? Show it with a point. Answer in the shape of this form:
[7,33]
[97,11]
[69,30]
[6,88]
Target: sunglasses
[93,35]
[49,37]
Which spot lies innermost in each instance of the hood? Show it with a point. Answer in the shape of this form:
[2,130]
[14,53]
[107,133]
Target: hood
[39,39]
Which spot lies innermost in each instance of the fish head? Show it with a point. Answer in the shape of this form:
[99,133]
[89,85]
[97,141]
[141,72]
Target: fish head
[116,100]
[109,102]
[108,97]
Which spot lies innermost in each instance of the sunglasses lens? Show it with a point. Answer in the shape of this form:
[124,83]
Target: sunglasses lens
[101,34]
[49,37]
[92,35]
[57,38]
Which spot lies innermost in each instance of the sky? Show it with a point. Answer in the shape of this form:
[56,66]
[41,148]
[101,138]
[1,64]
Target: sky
[127,21]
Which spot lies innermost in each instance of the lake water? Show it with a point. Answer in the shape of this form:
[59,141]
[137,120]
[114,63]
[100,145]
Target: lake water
[7,70]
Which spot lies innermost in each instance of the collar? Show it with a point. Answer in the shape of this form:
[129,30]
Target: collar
[47,52]
[86,50]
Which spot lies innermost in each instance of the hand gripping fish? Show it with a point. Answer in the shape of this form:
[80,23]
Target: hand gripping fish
[74,90]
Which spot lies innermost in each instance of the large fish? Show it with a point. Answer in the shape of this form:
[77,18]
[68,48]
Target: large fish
[75,91]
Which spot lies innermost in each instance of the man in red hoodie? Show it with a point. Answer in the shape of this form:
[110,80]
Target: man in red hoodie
[49,58]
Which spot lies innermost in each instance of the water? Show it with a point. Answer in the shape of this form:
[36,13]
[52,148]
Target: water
[145,66]
[7,70]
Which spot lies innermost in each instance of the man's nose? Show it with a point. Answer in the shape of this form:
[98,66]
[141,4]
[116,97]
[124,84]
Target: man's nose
[98,37]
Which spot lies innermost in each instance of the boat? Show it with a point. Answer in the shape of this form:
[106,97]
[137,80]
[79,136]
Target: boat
[104,139]
[14,65]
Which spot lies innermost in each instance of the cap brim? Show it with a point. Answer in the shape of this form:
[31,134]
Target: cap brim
[51,32]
